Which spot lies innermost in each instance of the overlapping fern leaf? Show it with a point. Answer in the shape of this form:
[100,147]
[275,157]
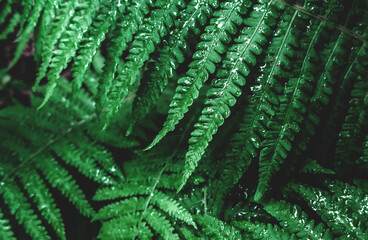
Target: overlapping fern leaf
[336,207]
[218,34]
[229,80]
[151,33]
[169,57]
[122,35]
[38,150]
[144,206]
[267,102]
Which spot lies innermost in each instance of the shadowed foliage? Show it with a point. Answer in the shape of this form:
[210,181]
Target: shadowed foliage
[184,119]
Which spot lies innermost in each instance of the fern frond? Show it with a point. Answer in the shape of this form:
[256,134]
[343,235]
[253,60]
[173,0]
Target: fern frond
[151,33]
[121,37]
[127,206]
[142,195]
[171,56]
[37,188]
[142,202]
[294,220]
[274,148]
[188,234]
[325,85]
[68,44]
[301,65]
[42,30]
[113,136]
[353,199]
[13,23]
[21,209]
[59,25]
[259,230]
[160,224]
[37,141]
[223,25]
[226,87]
[287,123]
[363,159]
[217,229]
[172,207]
[351,130]
[5,229]
[83,155]
[332,210]
[312,166]
[5,11]
[26,33]
[106,17]
[326,79]
[27,8]
[125,227]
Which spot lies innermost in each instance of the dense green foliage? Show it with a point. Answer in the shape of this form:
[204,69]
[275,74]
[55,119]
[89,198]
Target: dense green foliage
[186,119]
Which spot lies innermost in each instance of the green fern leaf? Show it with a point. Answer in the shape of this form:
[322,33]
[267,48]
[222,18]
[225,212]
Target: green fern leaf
[188,234]
[122,35]
[20,208]
[79,154]
[138,199]
[350,134]
[352,199]
[294,220]
[312,74]
[285,70]
[59,25]
[160,224]
[60,179]
[172,207]
[151,33]
[311,166]
[259,230]
[32,144]
[286,123]
[125,227]
[5,229]
[105,18]
[68,44]
[5,11]
[363,159]
[26,33]
[217,35]
[217,229]
[332,211]
[170,57]
[27,9]
[226,87]
[325,83]
[37,188]
[117,209]
[13,23]
[42,30]
[274,150]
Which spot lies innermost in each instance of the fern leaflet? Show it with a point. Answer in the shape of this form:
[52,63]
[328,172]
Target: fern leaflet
[217,35]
